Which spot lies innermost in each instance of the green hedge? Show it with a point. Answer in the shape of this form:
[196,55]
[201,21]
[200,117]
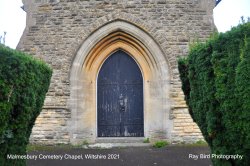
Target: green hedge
[24,82]
[216,82]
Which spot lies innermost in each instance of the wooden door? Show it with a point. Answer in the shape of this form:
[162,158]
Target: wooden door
[120,97]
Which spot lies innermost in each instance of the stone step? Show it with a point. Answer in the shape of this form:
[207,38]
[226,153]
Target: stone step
[114,145]
[120,140]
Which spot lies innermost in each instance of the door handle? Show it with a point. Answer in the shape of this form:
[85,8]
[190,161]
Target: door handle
[122,103]
[123,108]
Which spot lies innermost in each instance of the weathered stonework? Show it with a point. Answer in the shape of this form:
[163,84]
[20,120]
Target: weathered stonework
[75,36]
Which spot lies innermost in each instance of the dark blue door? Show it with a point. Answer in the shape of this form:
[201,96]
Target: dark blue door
[120,97]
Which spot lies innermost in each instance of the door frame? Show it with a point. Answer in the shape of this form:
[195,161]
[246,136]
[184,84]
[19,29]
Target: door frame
[96,87]
[157,75]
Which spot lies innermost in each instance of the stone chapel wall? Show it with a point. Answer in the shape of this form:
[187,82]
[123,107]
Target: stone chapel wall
[56,29]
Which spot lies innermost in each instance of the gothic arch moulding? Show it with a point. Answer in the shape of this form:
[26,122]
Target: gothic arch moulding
[151,30]
[113,36]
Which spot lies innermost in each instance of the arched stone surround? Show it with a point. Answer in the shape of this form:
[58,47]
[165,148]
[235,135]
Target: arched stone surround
[85,67]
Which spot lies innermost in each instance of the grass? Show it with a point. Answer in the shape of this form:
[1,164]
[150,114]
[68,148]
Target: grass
[51,148]
[34,147]
[160,144]
[199,143]
[146,140]
[85,142]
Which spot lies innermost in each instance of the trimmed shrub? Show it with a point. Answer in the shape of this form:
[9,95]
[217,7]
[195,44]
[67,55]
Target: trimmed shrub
[216,82]
[24,82]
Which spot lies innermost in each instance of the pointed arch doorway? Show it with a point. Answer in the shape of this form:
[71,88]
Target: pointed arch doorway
[120,97]
[87,65]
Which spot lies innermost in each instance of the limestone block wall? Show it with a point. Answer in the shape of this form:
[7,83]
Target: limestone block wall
[51,125]
[56,30]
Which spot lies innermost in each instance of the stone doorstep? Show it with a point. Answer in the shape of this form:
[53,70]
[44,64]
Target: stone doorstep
[114,145]
[111,142]
[120,140]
